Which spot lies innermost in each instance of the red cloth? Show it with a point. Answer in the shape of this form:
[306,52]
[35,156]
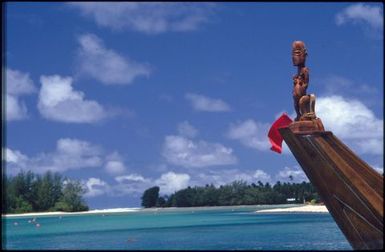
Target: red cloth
[275,137]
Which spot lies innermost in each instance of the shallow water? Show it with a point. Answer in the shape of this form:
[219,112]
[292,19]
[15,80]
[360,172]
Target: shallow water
[188,228]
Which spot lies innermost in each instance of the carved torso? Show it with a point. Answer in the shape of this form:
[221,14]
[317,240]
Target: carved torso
[301,82]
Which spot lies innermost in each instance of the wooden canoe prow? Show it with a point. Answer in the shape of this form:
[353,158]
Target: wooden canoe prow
[352,191]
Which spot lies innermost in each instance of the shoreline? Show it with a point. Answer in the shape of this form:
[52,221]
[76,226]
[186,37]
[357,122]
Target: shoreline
[95,211]
[270,209]
[297,209]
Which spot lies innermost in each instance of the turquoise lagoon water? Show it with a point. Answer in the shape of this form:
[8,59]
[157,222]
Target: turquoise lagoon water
[218,228]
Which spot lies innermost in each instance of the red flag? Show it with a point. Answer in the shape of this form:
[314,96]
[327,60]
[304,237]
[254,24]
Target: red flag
[275,137]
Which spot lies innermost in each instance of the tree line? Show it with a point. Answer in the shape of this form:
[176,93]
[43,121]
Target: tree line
[235,193]
[30,192]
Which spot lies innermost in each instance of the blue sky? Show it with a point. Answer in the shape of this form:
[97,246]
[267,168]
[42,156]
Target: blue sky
[124,96]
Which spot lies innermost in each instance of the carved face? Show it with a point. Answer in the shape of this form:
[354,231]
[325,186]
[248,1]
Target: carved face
[298,53]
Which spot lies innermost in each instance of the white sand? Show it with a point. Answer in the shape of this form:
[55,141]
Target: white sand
[98,211]
[306,208]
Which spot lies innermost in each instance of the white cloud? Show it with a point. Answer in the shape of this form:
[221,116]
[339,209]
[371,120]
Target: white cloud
[131,177]
[361,13]
[14,156]
[105,65]
[171,182]
[132,184]
[58,101]
[336,84]
[136,184]
[96,187]
[69,154]
[251,134]
[353,122]
[185,152]
[296,173]
[187,130]
[369,146]
[149,18]
[17,84]
[114,164]
[227,176]
[15,109]
[203,103]
[115,167]
[262,176]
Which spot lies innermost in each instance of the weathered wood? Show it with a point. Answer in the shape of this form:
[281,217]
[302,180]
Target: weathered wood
[351,190]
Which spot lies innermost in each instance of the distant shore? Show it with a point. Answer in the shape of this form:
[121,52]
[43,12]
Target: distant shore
[270,209]
[305,208]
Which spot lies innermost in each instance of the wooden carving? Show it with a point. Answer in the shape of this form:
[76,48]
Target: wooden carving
[304,104]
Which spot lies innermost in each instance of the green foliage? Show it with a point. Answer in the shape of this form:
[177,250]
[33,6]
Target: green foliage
[28,192]
[150,197]
[21,206]
[161,202]
[236,193]
[71,197]
[61,206]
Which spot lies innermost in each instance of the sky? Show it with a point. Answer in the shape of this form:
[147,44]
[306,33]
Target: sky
[124,96]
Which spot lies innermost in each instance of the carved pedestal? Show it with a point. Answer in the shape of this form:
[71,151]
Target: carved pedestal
[307,126]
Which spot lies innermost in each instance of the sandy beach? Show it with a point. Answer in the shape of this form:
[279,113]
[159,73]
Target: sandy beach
[306,208]
[96,211]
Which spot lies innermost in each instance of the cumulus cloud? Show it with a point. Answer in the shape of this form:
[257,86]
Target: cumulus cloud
[131,184]
[96,187]
[179,150]
[362,13]
[14,156]
[58,101]
[171,182]
[250,133]
[130,177]
[203,103]
[15,109]
[148,18]
[336,84]
[187,130]
[295,175]
[353,122]
[69,154]
[17,84]
[115,167]
[261,176]
[106,65]
[114,164]
[222,177]
[134,184]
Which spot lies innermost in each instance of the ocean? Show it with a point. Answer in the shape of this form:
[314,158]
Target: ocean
[214,228]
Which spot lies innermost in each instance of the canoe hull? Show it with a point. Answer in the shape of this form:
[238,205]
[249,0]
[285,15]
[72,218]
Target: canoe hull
[351,190]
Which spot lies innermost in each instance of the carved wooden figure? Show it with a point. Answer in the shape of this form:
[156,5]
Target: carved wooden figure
[304,104]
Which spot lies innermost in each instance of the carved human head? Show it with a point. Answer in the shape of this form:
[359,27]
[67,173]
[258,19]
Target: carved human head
[299,53]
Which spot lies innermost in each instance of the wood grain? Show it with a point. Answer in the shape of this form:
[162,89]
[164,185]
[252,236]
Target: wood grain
[351,190]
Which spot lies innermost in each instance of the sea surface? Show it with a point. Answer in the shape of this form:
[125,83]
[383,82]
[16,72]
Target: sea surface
[215,228]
